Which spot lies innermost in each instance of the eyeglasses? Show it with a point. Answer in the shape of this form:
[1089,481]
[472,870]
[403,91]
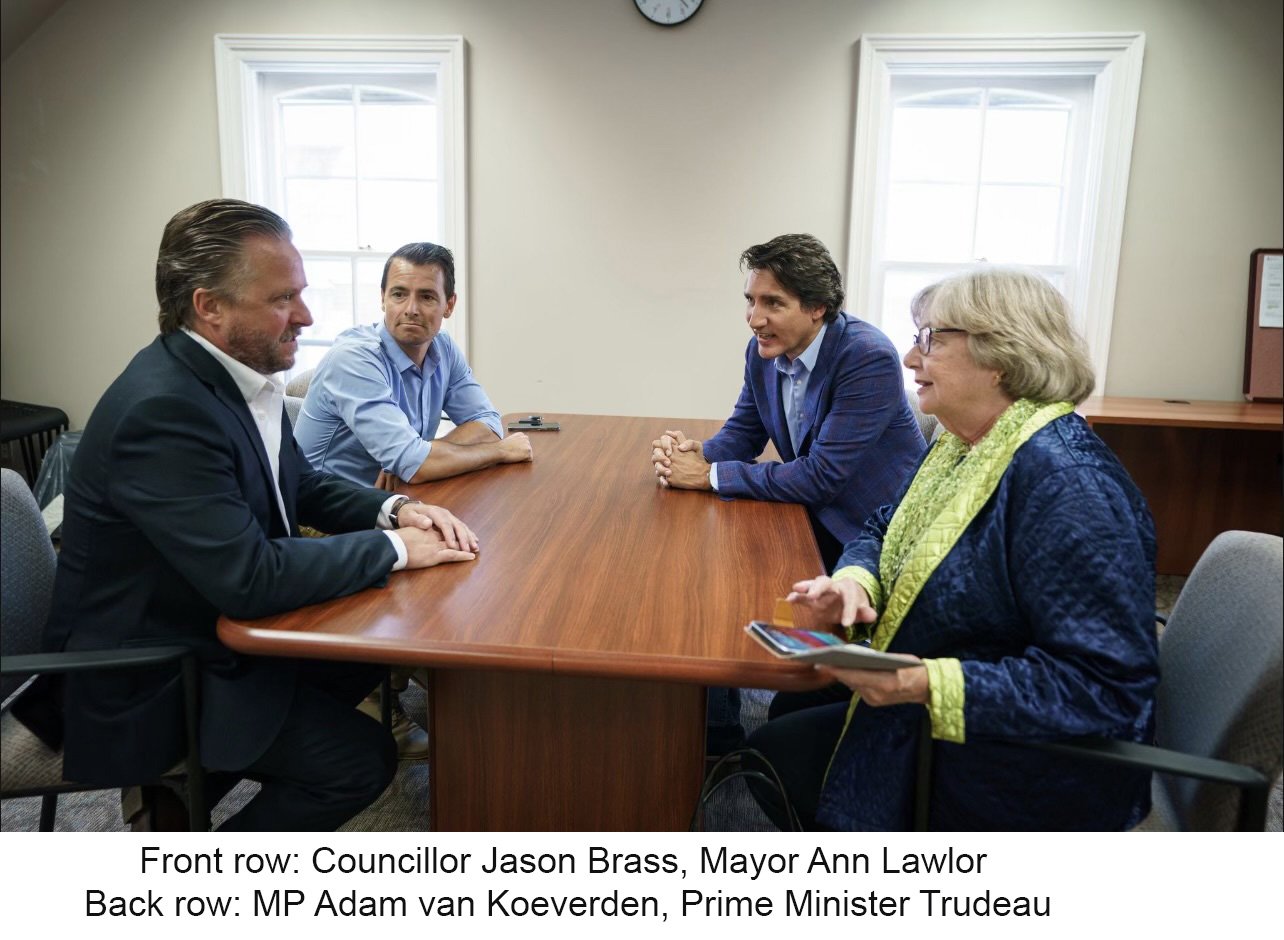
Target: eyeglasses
[923,338]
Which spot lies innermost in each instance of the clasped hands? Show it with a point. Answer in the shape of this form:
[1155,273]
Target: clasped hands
[845,602]
[433,535]
[679,462]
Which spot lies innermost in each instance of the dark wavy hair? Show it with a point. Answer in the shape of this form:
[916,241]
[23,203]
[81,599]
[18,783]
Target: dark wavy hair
[803,267]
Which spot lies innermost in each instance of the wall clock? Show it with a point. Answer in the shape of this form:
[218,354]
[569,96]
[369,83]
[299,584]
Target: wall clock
[668,12]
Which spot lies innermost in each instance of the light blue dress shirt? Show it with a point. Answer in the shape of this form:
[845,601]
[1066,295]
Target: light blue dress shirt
[794,387]
[794,392]
[370,408]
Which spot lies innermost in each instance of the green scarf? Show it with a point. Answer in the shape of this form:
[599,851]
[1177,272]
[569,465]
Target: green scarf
[950,488]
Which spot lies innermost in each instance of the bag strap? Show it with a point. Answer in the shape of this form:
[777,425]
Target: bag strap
[719,775]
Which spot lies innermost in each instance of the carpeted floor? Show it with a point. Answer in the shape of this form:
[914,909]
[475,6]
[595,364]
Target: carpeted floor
[403,807]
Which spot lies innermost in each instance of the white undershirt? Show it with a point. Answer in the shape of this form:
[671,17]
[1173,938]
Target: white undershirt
[265,397]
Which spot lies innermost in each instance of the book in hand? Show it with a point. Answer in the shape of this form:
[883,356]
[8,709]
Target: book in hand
[817,646]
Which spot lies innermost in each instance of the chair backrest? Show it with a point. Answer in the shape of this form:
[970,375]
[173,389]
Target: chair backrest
[27,563]
[1220,673]
[298,386]
[927,424]
[293,406]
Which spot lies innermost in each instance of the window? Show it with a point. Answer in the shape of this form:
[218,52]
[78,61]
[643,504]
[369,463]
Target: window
[358,144]
[1003,149]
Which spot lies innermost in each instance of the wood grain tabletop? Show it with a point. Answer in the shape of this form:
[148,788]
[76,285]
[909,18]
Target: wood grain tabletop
[587,567]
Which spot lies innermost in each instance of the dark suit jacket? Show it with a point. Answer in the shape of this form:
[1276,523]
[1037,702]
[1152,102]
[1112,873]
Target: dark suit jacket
[170,520]
[861,441]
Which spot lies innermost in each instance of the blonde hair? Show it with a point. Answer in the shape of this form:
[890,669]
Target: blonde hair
[1017,324]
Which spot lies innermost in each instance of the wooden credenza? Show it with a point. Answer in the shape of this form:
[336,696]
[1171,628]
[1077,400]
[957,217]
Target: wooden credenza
[1203,466]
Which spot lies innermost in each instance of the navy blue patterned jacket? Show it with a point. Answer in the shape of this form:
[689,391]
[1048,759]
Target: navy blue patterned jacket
[1048,601]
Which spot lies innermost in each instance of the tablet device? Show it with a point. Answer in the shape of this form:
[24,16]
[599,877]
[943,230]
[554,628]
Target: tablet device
[817,646]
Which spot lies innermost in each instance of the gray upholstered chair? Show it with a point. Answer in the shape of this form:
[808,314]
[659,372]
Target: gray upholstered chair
[297,387]
[927,424]
[1221,694]
[1220,715]
[27,766]
[293,405]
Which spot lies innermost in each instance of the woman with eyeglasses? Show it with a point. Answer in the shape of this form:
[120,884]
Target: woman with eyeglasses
[1018,564]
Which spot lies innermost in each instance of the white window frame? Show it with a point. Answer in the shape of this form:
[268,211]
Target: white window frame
[1114,62]
[238,60]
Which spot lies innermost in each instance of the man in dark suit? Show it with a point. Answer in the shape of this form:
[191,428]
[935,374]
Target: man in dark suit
[824,387]
[184,502]
[827,390]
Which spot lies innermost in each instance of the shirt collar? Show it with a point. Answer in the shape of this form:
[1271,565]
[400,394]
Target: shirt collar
[399,357]
[248,382]
[807,361]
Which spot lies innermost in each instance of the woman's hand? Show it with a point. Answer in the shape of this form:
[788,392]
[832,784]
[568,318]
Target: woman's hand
[884,686]
[843,601]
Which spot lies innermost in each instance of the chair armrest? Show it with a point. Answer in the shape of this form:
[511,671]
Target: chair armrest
[1149,757]
[1255,784]
[86,660]
[132,658]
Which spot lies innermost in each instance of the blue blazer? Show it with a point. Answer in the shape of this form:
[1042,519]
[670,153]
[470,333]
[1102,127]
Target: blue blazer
[171,519]
[861,441]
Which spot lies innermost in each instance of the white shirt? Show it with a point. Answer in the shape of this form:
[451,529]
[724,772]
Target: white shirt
[265,397]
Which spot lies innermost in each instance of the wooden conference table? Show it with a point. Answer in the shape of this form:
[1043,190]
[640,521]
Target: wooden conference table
[1203,466]
[569,661]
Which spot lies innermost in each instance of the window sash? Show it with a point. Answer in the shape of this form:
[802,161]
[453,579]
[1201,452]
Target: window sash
[1112,62]
[252,70]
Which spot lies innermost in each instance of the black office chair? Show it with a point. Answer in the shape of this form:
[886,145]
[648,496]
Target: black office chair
[27,766]
[1220,705]
[34,427]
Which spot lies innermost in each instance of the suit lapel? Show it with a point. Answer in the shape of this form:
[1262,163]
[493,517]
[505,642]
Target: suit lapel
[211,372]
[818,384]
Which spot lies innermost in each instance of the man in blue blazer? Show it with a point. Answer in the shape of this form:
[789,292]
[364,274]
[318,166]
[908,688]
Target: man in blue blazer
[824,387]
[184,502]
[827,390]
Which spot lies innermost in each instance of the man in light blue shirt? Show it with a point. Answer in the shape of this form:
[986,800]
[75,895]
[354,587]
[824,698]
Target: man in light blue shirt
[374,405]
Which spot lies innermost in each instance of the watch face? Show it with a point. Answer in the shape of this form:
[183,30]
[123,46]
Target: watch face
[668,12]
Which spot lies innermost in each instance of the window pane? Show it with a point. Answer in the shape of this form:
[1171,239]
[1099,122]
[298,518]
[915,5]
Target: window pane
[394,212]
[321,212]
[1018,224]
[399,140]
[329,297]
[899,288]
[929,222]
[369,274]
[308,357]
[1024,146]
[318,139]
[933,143]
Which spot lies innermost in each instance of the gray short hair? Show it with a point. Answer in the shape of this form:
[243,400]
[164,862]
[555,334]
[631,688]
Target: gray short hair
[1019,325]
[204,247]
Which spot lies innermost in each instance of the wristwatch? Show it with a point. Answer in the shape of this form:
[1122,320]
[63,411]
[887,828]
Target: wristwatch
[395,509]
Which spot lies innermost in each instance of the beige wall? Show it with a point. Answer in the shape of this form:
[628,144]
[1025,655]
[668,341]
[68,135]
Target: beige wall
[616,171]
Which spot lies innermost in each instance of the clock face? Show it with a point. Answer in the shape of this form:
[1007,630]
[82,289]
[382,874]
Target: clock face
[668,12]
